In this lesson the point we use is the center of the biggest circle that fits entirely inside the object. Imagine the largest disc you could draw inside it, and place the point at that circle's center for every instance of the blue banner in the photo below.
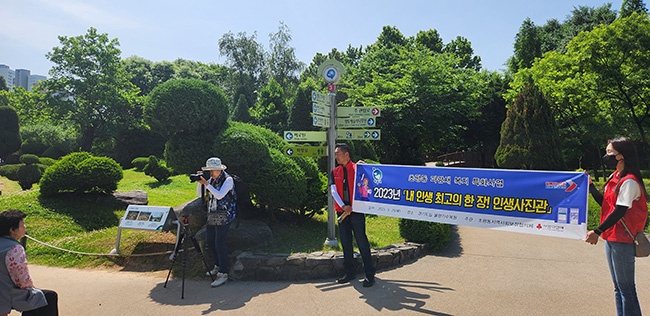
(550, 203)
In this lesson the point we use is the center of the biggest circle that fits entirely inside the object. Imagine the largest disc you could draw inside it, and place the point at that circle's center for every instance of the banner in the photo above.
(549, 203)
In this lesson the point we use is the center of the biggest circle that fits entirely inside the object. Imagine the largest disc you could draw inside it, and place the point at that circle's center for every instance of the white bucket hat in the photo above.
(214, 163)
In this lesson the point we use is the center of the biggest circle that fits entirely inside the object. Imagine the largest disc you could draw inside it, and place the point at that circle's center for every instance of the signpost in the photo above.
(321, 109)
(305, 136)
(358, 134)
(344, 111)
(321, 121)
(360, 122)
(305, 151)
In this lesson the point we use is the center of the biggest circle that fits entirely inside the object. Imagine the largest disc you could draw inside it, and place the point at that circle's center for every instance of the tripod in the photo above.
(186, 235)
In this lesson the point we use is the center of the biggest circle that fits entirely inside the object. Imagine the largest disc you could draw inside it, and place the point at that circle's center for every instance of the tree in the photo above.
(462, 49)
(242, 114)
(300, 118)
(630, 6)
(283, 64)
(3, 84)
(245, 56)
(9, 135)
(90, 86)
(270, 110)
(527, 46)
(140, 70)
(430, 39)
(529, 138)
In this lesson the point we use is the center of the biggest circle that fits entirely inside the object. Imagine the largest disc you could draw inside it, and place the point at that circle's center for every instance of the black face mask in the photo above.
(610, 161)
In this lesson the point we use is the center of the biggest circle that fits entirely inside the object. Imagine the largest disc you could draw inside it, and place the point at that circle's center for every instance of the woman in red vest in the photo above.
(622, 203)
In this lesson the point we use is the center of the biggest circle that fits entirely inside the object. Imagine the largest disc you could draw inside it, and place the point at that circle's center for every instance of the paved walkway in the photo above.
(483, 272)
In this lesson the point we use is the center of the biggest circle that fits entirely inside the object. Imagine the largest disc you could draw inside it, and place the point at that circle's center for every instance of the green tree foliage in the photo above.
(246, 58)
(630, 6)
(140, 70)
(242, 114)
(527, 46)
(31, 107)
(139, 163)
(186, 152)
(270, 109)
(90, 86)
(300, 110)
(136, 141)
(9, 132)
(430, 39)
(3, 84)
(81, 172)
(157, 170)
(48, 140)
(185, 105)
(462, 49)
(282, 62)
(427, 99)
(529, 138)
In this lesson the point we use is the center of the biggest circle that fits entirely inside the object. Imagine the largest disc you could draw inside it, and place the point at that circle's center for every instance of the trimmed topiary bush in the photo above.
(29, 159)
(83, 173)
(244, 150)
(139, 163)
(30, 172)
(281, 184)
(156, 170)
(46, 161)
(185, 153)
(10, 171)
(434, 235)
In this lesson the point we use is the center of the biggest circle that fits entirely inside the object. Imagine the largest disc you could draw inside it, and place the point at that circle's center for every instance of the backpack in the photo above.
(244, 205)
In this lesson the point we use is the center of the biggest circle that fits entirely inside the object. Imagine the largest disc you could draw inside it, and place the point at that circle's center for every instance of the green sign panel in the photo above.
(321, 110)
(369, 111)
(305, 151)
(358, 134)
(320, 98)
(355, 122)
(305, 136)
(321, 121)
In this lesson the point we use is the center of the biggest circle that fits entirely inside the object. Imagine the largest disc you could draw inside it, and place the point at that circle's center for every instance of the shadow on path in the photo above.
(394, 295)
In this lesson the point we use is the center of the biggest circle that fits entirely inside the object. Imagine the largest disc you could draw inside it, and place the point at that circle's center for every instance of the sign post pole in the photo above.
(331, 70)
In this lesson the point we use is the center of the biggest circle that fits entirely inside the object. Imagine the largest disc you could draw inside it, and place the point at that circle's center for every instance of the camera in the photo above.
(196, 176)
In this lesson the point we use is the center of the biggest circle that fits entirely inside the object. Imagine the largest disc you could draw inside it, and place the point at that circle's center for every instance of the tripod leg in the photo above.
(173, 259)
(200, 252)
(184, 261)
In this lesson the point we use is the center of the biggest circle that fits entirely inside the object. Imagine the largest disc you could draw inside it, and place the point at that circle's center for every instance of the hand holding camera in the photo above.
(200, 177)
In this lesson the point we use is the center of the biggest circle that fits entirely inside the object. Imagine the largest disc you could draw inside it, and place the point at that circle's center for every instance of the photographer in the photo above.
(221, 208)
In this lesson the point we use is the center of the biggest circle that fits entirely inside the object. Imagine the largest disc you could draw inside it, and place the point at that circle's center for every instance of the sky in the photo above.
(166, 30)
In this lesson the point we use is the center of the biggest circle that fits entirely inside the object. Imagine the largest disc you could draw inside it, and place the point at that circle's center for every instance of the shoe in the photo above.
(221, 279)
(369, 281)
(345, 279)
(212, 272)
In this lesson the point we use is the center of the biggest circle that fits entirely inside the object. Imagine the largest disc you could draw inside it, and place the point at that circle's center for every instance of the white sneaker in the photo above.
(221, 279)
(213, 272)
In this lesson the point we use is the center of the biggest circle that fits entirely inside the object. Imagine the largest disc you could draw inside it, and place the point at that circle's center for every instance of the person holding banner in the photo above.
(350, 223)
(623, 200)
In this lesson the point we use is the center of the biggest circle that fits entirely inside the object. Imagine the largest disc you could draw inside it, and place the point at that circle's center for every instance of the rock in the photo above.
(125, 199)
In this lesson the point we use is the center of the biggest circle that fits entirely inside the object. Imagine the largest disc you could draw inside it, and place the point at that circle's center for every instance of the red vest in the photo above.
(337, 173)
(634, 217)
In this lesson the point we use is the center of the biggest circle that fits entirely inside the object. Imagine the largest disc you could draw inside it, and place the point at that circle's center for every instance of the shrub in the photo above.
(9, 135)
(10, 171)
(281, 183)
(186, 152)
(156, 170)
(29, 159)
(186, 105)
(316, 187)
(48, 140)
(28, 175)
(243, 149)
(81, 172)
(139, 163)
(434, 235)
(47, 161)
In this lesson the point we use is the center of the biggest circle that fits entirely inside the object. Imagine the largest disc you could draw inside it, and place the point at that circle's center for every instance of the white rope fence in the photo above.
(101, 254)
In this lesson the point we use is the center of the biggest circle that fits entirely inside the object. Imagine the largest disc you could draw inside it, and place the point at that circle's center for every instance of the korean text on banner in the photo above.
(550, 203)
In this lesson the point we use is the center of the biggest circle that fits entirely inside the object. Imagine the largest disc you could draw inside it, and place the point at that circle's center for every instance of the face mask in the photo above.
(610, 161)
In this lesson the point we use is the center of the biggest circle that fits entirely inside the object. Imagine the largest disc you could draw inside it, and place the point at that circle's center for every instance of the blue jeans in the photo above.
(217, 239)
(620, 258)
(355, 223)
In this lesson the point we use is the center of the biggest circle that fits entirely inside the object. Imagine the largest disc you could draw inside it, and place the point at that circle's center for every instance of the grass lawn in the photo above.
(80, 223)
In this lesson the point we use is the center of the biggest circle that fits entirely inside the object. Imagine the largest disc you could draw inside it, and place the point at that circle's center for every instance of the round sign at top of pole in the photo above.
(331, 70)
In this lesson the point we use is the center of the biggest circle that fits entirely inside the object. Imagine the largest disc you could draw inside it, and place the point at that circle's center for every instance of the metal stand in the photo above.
(186, 235)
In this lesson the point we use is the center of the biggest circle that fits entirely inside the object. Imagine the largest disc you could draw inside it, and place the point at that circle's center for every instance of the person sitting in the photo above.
(16, 288)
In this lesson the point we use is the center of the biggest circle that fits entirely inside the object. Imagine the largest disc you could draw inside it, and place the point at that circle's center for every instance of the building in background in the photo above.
(19, 77)
(8, 74)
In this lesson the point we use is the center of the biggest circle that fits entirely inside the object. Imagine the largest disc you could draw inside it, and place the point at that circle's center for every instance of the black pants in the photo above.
(51, 309)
